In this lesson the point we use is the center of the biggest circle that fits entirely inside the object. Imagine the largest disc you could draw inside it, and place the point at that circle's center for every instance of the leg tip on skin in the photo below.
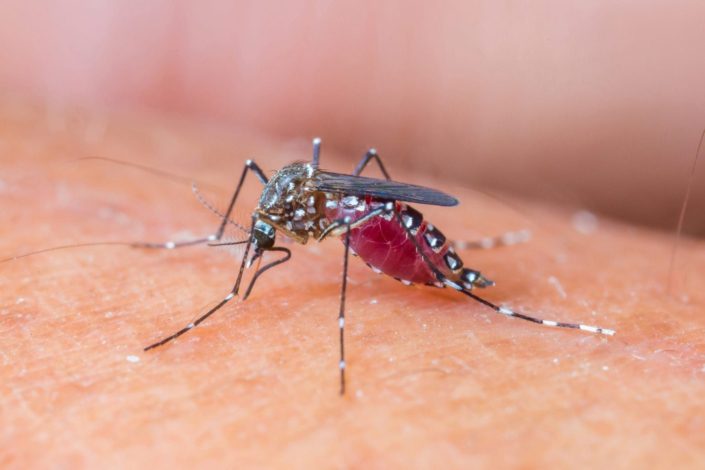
(484, 282)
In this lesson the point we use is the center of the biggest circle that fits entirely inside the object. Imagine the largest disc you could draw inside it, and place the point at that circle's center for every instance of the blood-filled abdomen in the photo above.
(386, 246)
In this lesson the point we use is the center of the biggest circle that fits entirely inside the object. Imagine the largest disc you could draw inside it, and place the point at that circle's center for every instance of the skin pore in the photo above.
(430, 373)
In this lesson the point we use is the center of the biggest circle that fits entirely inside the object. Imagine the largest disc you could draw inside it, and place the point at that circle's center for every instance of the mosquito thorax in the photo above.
(291, 203)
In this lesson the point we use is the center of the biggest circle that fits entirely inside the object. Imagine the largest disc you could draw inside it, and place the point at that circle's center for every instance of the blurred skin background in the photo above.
(594, 104)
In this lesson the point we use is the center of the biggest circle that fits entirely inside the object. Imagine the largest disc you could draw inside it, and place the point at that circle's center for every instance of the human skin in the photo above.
(434, 379)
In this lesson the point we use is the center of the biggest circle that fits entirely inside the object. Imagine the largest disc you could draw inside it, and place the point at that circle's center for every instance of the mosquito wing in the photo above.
(383, 189)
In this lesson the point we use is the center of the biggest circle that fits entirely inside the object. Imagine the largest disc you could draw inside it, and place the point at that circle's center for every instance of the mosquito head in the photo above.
(263, 236)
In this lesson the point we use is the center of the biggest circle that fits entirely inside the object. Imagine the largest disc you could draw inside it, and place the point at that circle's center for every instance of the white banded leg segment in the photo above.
(341, 311)
(170, 245)
(597, 329)
(193, 324)
(451, 284)
(370, 155)
(505, 311)
(502, 310)
(511, 313)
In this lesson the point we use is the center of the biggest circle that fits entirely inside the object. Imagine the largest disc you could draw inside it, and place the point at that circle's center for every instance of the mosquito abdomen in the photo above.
(385, 246)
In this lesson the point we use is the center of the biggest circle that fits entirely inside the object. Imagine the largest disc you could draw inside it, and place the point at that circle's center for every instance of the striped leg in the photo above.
(341, 312)
(506, 239)
(233, 292)
(370, 155)
(260, 271)
(170, 245)
(315, 160)
(499, 309)
(560, 324)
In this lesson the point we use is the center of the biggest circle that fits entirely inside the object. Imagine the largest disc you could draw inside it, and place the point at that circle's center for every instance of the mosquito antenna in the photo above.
(316, 152)
(205, 203)
(681, 216)
(66, 247)
(155, 171)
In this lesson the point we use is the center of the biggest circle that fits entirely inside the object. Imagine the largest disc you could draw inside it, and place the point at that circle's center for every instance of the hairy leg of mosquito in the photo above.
(249, 166)
(370, 155)
(260, 271)
(341, 312)
(335, 228)
(315, 160)
(233, 292)
(343, 288)
(506, 239)
(252, 166)
(499, 309)
(170, 245)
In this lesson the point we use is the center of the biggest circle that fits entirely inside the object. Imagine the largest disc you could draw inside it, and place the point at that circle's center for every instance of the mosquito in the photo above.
(375, 222)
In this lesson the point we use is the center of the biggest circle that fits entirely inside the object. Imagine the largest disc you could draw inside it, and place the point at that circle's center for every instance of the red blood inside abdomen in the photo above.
(384, 245)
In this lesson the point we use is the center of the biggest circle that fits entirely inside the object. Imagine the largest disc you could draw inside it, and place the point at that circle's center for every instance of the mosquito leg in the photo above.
(233, 292)
(260, 271)
(371, 155)
(338, 226)
(170, 245)
(508, 312)
(316, 152)
(341, 312)
(506, 239)
(499, 309)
